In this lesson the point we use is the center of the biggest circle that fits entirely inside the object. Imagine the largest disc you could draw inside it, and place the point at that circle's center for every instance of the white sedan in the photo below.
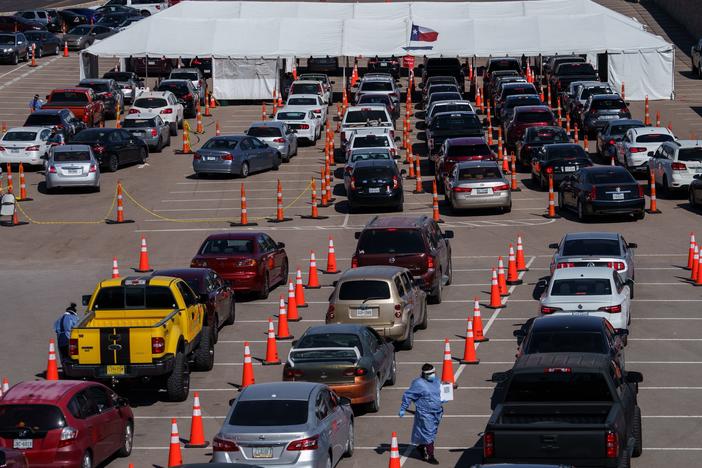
(639, 144)
(304, 123)
(676, 163)
(308, 102)
(163, 103)
(595, 291)
(25, 145)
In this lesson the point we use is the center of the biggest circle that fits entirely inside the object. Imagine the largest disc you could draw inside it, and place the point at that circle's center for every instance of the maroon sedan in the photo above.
(65, 423)
(455, 150)
(214, 292)
(525, 117)
(252, 262)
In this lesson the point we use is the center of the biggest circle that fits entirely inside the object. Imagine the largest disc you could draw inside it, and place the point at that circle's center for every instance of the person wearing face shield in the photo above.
(425, 393)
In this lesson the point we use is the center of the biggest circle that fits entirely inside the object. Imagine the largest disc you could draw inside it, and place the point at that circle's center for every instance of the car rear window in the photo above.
(269, 412)
(20, 136)
(479, 173)
(36, 418)
(481, 149)
(42, 119)
(548, 136)
(220, 144)
(582, 287)
(68, 97)
(566, 341)
(459, 121)
(227, 246)
(587, 247)
(290, 116)
(505, 64)
(611, 177)
(363, 116)
(654, 138)
(150, 103)
(175, 88)
(690, 154)
(565, 152)
(118, 76)
(534, 117)
(622, 129)
(605, 104)
(520, 89)
(304, 88)
(80, 30)
(359, 290)
(371, 141)
(97, 87)
(558, 387)
(450, 108)
(71, 156)
(374, 99)
(442, 96)
(190, 76)
(134, 297)
(443, 88)
(264, 132)
(376, 86)
(391, 241)
(523, 100)
(361, 173)
(587, 92)
(329, 340)
(575, 69)
(355, 157)
(139, 123)
(90, 135)
(302, 101)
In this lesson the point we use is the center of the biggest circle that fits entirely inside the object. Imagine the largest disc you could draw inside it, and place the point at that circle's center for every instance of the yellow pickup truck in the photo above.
(146, 328)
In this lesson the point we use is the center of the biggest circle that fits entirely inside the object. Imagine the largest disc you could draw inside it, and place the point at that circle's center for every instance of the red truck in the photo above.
(81, 101)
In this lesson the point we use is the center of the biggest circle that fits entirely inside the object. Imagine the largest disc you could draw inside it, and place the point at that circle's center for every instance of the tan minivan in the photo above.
(382, 297)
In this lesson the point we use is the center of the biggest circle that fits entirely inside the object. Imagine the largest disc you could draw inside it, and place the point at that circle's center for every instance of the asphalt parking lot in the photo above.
(67, 248)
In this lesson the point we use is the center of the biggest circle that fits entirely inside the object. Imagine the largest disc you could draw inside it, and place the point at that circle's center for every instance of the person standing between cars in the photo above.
(63, 327)
(35, 104)
(425, 392)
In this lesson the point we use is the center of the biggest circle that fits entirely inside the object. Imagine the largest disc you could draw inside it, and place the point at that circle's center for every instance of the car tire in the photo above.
(232, 315)
(374, 406)
(637, 433)
(215, 328)
(265, 291)
(39, 53)
(639, 215)
(287, 157)
(348, 453)
(127, 441)
(631, 295)
(408, 343)
(96, 189)
(425, 320)
(582, 217)
(15, 59)
(507, 209)
(665, 188)
(168, 139)
(625, 461)
(449, 276)
(86, 461)
(113, 163)
(561, 204)
(159, 146)
(244, 172)
(142, 156)
(203, 357)
(400, 208)
(278, 161)
(178, 382)
(435, 297)
(284, 275)
(392, 378)
(179, 125)
(57, 50)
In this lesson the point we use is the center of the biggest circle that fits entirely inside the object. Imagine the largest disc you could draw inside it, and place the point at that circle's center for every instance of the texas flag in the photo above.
(422, 34)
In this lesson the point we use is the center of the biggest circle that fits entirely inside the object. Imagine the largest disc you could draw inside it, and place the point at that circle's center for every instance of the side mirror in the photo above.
(403, 172)
(421, 85)
(634, 377)
(448, 234)
(47, 96)
(499, 377)
(231, 402)
(121, 402)
(294, 343)
(553, 246)
(633, 245)
(86, 299)
(357, 235)
(397, 139)
(518, 333)
(246, 131)
(622, 332)
(334, 283)
(281, 245)
(344, 401)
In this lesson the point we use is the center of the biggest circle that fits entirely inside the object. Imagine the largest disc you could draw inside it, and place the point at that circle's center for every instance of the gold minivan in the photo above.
(382, 297)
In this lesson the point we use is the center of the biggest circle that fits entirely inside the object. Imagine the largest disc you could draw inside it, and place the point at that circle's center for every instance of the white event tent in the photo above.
(249, 40)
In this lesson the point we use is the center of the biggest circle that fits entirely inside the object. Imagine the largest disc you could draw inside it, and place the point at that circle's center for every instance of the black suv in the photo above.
(185, 92)
(14, 47)
(375, 183)
(108, 92)
(414, 243)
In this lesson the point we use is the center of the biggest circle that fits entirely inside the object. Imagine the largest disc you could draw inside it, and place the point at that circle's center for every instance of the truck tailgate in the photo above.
(116, 345)
(542, 443)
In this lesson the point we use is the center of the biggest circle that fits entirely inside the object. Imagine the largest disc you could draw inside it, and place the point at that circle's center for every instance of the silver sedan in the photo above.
(276, 134)
(149, 127)
(299, 424)
(477, 184)
(72, 166)
(236, 155)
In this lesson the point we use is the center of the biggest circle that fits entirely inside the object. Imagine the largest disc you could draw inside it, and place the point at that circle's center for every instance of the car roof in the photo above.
(518, 84)
(47, 112)
(555, 146)
(582, 272)
(184, 273)
(366, 107)
(592, 235)
(453, 102)
(375, 93)
(154, 94)
(548, 128)
(140, 115)
(573, 322)
(234, 235)
(603, 169)
(625, 122)
(376, 163)
(305, 82)
(284, 390)
(188, 70)
(606, 97)
(267, 123)
(27, 129)
(175, 80)
(379, 272)
(397, 222)
(304, 95)
(293, 109)
(70, 148)
(335, 328)
(466, 141)
(578, 360)
(370, 150)
(149, 280)
(42, 391)
(462, 112)
(517, 97)
(650, 130)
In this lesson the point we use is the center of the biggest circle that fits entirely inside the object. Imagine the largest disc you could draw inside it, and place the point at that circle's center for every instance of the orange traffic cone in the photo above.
(213, 103)
(658, 119)
(312, 277)
(331, 258)
(283, 331)
(469, 356)
(410, 158)
(314, 203)
(23, 185)
(5, 386)
(695, 270)
(10, 184)
(293, 315)
(207, 108)
(299, 290)
(175, 458)
(51, 367)
(435, 203)
(495, 299)
(271, 347)
(691, 252)
(698, 268)
(418, 188)
(115, 268)
(478, 323)
(65, 49)
(501, 280)
(247, 373)
(143, 258)
(244, 217)
(197, 432)
(218, 131)
(514, 184)
(653, 208)
(264, 113)
(551, 199)
(521, 263)
(447, 368)
(394, 453)
(279, 214)
(512, 275)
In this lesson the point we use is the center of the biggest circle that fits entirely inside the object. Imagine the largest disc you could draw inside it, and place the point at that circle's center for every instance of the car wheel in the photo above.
(87, 461)
(232, 314)
(173, 128)
(142, 156)
(127, 441)
(449, 275)
(507, 209)
(278, 161)
(168, 140)
(56, 51)
(691, 198)
(348, 453)
(244, 170)
(392, 378)
(159, 146)
(400, 208)
(288, 156)
(425, 319)
(639, 215)
(113, 163)
(581, 211)
(180, 124)
(215, 328)
(435, 297)
(561, 204)
(38, 52)
(637, 433)
(15, 59)
(408, 343)
(625, 461)
(263, 294)
(203, 357)
(285, 273)
(178, 382)
(666, 187)
(374, 406)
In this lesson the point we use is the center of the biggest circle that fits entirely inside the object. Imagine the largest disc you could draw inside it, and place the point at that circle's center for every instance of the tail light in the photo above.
(619, 266)
(354, 262)
(52, 169)
(549, 310)
(560, 265)
(355, 371)
(612, 444)
(330, 312)
(134, 111)
(167, 111)
(676, 166)
(198, 263)
(227, 157)
(348, 169)
(549, 170)
(293, 373)
(99, 149)
(499, 188)
(224, 445)
(107, 95)
(488, 444)
(154, 132)
(641, 191)
(353, 183)
(158, 345)
(36, 148)
(612, 142)
(188, 97)
(2, 148)
(197, 157)
(430, 262)
(304, 126)
(246, 262)
(310, 443)
(398, 310)
(93, 168)
(462, 189)
(73, 347)
(395, 182)
(317, 111)
(611, 309)
(636, 149)
(592, 195)
(393, 152)
(279, 140)
(68, 436)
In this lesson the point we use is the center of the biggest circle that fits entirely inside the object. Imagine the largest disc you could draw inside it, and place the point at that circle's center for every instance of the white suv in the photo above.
(145, 7)
(676, 163)
(639, 144)
(163, 103)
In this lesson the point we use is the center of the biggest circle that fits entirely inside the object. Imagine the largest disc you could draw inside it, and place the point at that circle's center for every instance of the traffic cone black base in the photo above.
(488, 306)
(284, 338)
(472, 363)
(514, 283)
(271, 363)
(277, 221)
(649, 211)
(114, 221)
(232, 224)
(313, 217)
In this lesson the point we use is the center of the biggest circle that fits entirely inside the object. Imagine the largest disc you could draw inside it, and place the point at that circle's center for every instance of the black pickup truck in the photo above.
(570, 408)
(565, 73)
(443, 67)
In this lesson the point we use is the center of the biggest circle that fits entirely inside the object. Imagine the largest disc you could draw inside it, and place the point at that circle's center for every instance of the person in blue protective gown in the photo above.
(425, 392)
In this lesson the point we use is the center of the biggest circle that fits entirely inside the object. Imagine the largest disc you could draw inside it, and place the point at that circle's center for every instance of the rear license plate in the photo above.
(364, 313)
(151, 62)
(115, 370)
(72, 171)
(617, 196)
(482, 191)
(569, 168)
(14, 150)
(607, 117)
(698, 170)
(22, 443)
(210, 158)
(373, 190)
(263, 452)
(139, 134)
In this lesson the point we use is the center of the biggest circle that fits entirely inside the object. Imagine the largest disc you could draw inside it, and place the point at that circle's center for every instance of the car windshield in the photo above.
(608, 104)
(6, 39)
(376, 86)
(264, 132)
(68, 97)
(690, 154)
(329, 340)
(547, 136)
(132, 123)
(370, 141)
(355, 157)
(582, 287)
(72, 156)
(611, 177)
(456, 122)
(520, 89)
(269, 412)
(654, 138)
(534, 117)
(290, 116)
(575, 69)
(391, 241)
(302, 101)
(360, 290)
(89, 136)
(561, 386)
(42, 119)
(178, 89)
(481, 149)
(191, 76)
(304, 88)
(443, 88)
(566, 341)
(363, 116)
(227, 246)
(20, 136)
(36, 418)
(479, 173)
(80, 30)
(220, 144)
(564, 152)
(587, 92)
(374, 99)
(150, 103)
(134, 297)
(588, 247)
(97, 87)
(615, 130)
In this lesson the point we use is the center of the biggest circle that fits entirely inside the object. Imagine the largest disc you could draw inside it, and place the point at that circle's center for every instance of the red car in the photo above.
(65, 423)
(252, 262)
(525, 117)
(455, 150)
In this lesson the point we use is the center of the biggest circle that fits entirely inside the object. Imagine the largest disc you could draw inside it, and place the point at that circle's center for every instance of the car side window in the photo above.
(617, 281)
(258, 143)
(333, 401)
(114, 137)
(398, 285)
(406, 282)
(188, 295)
(74, 407)
(45, 134)
(270, 243)
(88, 406)
(101, 397)
(321, 408)
(372, 342)
(245, 144)
(126, 136)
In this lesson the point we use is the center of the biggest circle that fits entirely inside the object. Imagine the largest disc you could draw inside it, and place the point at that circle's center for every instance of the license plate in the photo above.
(617, 196)
(72, 171)
(365, 313)
(263, 452)
(482, 191)
(210, 158)
(115, 370)
(607, 117)
(373, 190)
(152, 62)
(138, 134)
(14, 150)
(23, 443)
(698, 170)
(569, 168)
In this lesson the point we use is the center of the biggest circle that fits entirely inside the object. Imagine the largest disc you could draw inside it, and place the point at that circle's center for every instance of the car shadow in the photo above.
(539, 287)
(41, 188)
(688, 207)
